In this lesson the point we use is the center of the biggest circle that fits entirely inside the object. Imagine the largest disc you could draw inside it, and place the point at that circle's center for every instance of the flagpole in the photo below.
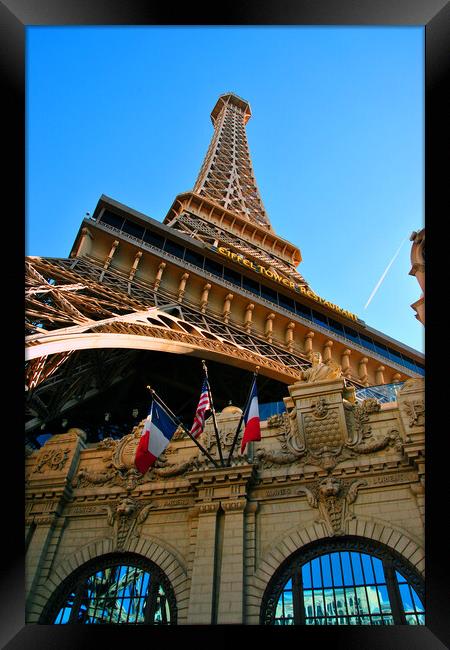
(179, 422)
(219, 446)
(236, 435)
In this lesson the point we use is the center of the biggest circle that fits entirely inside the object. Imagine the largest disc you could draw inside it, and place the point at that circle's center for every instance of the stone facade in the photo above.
(418, 270)
(328, 467)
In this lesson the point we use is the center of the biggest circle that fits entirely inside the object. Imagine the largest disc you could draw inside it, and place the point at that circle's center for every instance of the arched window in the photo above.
(114, 589)
(349, 581)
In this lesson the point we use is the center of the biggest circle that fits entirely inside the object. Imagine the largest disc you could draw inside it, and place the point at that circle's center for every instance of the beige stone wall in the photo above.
(220, 534)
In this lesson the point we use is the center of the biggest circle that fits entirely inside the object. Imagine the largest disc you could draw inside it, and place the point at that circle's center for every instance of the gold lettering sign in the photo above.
(273, 275)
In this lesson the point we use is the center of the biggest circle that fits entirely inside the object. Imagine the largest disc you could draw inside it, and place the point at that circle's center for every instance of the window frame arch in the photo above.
(291, 568)
(76, 580)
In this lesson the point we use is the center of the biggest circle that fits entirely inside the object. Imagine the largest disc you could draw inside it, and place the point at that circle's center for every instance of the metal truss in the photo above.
(226, 176)
(198, 229)
(65, 299)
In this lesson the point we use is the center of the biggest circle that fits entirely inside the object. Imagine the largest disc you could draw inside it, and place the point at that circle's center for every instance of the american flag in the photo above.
(203, 406)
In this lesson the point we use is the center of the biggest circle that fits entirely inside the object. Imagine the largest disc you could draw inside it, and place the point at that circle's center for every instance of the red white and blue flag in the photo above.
(203, 405)
(156, 435)
(252, 429)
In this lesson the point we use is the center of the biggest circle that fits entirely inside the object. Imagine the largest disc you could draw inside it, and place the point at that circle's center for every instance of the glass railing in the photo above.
(384, 393)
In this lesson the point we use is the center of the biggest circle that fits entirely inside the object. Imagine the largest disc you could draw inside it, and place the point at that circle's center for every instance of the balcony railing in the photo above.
(384, 393)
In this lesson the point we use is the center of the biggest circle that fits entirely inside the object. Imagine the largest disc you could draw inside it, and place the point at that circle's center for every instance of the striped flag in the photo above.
(252, 429)
(156, 435)
(203, 406)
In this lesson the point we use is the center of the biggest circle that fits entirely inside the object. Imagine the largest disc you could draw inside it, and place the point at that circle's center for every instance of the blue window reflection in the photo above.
(346, 588)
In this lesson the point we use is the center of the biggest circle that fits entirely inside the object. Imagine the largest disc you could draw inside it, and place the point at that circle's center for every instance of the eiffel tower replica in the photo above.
(139, 301)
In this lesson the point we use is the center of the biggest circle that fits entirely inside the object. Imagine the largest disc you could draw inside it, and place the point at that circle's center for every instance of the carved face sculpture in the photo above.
(316, 358)
(329, 487)
(126, 507)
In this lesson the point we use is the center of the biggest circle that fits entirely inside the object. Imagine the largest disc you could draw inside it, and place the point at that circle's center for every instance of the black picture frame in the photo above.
(15, 16)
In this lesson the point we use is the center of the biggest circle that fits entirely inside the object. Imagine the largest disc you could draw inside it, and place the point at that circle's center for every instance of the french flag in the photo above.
(252, 429)
(156, 435)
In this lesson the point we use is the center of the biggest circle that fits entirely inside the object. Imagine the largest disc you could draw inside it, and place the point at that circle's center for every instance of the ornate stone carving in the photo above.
(44, 520)
(275, 421)
(127, 519)
(86, 477)
(234, 505)
(324, 432)
(119, 466)
(209, 508)
(107, 443)
(176, 468)
(358, 419)
(269, 458)
(377, 442)
(322, 441)
(415, 410)
(319, 370)
(54, 459)
(332, 497)
(416, 383)
(320, 408)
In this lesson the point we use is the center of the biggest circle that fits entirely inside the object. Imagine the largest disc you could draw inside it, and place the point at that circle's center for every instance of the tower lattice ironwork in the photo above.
(226, 179)
(226, 176)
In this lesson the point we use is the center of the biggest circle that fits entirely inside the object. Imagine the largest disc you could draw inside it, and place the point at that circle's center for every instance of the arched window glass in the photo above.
(124, 589)
(411, 603)
(345, 586)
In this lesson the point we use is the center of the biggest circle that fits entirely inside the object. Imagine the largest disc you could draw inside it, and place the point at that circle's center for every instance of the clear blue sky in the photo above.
(336, 138)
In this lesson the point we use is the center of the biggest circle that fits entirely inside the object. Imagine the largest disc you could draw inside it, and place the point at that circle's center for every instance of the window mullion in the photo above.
(344, 587)
(394, 593)
(333, 587)
(357, 611)
(152, 599)
(77, 601)
(298, 598)
(323, 591)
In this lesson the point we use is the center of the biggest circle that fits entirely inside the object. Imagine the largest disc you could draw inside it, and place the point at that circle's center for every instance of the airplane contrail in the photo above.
(377, 286)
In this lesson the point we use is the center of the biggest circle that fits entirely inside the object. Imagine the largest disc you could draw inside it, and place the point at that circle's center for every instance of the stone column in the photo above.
(231, 594)
(182, 286)
(37, 559)
(250, 559)
(248, 317)
(204, 298)
(379, 375)
(133, 269)
(326, 356)
(217, 583)
(418, 490)
(159, 274)
(289, 336)
(83, 244)
(269, 327)
(363, 375)
(54, 465)
(411, 406)
(308, 346)
(227, 307)
(109, 258)
(201, 600)
(345, 362)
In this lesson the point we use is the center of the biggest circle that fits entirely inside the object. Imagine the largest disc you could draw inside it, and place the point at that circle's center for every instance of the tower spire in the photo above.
(226, 176)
